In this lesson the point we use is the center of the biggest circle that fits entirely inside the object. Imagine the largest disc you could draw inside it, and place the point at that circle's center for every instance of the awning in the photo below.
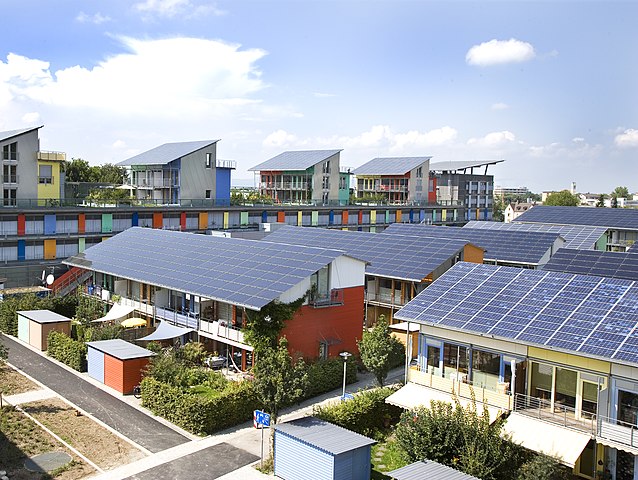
(117, 312)
(414, 395)
(617, 436)
(562, 443)
(414, 327)
(165, 331)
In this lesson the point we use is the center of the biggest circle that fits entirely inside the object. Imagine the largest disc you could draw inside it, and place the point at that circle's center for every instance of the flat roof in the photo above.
(390, 165)
(323, 435)
(120, 349)
(295, 160)
(43, 316)
(620, 218)
(166, 153)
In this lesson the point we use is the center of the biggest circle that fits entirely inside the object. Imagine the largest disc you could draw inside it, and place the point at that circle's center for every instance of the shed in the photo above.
(117, 364)
(34, 326)
(309, 448)
(430, 470)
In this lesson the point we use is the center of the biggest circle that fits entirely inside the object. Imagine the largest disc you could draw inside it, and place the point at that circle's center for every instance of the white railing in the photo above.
(223, 330)
(140, 306)
(226, 164)
(182, 319)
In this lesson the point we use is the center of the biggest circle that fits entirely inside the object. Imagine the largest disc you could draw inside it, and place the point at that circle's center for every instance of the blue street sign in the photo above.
(262, 418)
(347, 396)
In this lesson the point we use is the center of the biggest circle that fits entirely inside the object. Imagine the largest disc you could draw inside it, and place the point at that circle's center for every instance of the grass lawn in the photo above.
(386, 456)
(12, 382)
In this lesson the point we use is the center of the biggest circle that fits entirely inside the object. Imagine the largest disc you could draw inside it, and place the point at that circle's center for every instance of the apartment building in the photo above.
(394, 179)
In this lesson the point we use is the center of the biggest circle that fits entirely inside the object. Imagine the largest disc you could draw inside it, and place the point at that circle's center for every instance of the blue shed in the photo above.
(309, 448)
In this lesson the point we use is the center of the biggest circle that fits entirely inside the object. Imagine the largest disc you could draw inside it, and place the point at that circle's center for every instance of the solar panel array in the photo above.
(392, 256)
(295, 160)
(582, 237)
(390, 165)
(594, 262)
(242, 272)
(501, 246)
(581, 314)
(633, 248)
(622, 218)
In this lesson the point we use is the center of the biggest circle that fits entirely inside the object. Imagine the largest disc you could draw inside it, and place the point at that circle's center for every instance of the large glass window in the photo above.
(590, 399)
(319, 284)
(434, 360)
(486, 368)
(628, 407)
(566, 384)
(455, 361)
(541, 384)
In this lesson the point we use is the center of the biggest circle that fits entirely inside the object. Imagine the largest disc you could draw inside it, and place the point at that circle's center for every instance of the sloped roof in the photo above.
(166, 153)
(295, 160)
(430, 470)
(453, 166)
(14, 133)
(390, 165)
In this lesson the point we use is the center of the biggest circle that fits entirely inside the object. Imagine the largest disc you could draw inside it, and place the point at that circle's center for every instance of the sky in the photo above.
(550, 87)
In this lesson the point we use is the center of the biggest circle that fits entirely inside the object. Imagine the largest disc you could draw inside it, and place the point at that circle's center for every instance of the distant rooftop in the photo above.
(623, 218)
(14, 133)
(456, 166)
(166, 153)
(295, 160)
(390, 165)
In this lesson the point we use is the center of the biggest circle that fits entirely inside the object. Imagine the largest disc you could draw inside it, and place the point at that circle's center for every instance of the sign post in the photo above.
(261, 420)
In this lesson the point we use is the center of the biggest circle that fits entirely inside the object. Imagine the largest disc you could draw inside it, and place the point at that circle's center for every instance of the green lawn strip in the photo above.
(386, 456)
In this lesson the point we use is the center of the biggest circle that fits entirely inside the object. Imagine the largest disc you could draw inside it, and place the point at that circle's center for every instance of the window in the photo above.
(9, 197)
(419, 172)
(9, 174)
(46, 174)
(10, 152)
(209, 160)
(326, 167)
(486, 369)
(208, 193)
(455, 361)
(319, 284)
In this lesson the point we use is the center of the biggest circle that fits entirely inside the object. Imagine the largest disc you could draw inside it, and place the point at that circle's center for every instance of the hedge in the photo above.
(327, 375)
(200, 414)
(367, 413)
(66, 350)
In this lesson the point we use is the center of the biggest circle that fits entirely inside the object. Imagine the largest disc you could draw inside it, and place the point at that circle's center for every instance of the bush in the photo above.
(542, 467)
(8, 308)
(367, 413)
(66, 350)
(327, 375)
(200, 414)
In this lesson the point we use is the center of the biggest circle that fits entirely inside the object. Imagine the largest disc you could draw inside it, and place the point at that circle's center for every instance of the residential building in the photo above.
(621, 223)
(457, 183)
(208, 286)
(182, 172)
(517, 249)
(305, 177)
(514, 210)
(510, 191)
(395, 179)
(555, 353)
(399, 266)
(30, 176)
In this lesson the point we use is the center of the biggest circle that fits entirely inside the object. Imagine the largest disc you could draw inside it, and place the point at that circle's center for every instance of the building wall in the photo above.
(27, 171)
(222, 186)
(311, 325)
(195, 178)
(418, 186)
(317, 180)
(46, 328)
(49, 191)
(123, 375)
(295, 460)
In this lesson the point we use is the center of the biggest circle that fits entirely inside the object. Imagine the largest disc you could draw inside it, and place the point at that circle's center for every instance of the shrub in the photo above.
(367, 413)
(327, 375)
(8, 308)
(542, 467)
(66, 350)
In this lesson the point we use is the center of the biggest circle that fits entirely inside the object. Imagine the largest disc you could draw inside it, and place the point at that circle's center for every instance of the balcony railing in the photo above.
(385, 297)
(226, 164)
(617, 431)
(334, 298)
(51, 156)
(223, 330)
(46, 180)
(182, 319)
(284, 185)
(562, 415)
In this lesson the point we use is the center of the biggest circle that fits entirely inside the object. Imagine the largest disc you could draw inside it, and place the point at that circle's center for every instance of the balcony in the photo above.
(284, 186)
(223, 331)
(232, 164)
(181, 319)
(334, 298)
(562, 415)
(385, 297)
(47, 156)
(615, 433)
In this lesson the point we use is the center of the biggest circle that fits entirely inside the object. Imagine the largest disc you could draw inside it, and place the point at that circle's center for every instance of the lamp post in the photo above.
(345, 356)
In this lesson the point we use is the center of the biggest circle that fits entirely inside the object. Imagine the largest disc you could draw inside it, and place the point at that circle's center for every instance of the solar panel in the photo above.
(594, 262)
(633, 248)
(622, 218)
(242, 272)
(405, 257)
(582, 237)
(531, 248)
(580, 314)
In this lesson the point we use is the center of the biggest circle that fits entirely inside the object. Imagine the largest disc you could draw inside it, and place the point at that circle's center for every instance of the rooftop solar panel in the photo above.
(621, 218)
(390, 165)
(531, 248)
(633, 248)
(295, 160)
(405, 257)
(247, 273)
(593, 262)
(581, 237)
(591, 316)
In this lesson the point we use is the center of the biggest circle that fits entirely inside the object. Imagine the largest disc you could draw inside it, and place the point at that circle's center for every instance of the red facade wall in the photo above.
(22, 221)
(182, 221)
(312, 325)
(123, 375)
(81, 223)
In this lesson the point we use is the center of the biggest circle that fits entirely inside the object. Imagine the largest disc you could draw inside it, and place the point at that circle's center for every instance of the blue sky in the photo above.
(551, 87)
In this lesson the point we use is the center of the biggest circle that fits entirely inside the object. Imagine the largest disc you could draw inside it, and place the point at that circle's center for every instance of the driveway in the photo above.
(130, 422)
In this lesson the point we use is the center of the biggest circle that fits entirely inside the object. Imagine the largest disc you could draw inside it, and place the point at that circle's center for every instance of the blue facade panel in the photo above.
(22, 249)
(264, 217)
(49, 224)
(331, 217)
(296, 460)
(96, 364)
(222, 185)
(135, 219)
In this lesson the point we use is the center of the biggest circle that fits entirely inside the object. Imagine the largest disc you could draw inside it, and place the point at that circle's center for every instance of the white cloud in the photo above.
(119, 144)
(173, 8)
(497, 52)
(279, 138)
(31, 118)
(96, 18)
(629, 138)
(499, 106)
(493, 139)
(323, 95)
(578, 139)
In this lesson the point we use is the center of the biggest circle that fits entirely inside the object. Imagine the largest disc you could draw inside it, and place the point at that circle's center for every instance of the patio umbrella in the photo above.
(133, 322)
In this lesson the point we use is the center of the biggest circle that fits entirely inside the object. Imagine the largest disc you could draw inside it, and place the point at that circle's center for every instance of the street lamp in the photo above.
(345, 356)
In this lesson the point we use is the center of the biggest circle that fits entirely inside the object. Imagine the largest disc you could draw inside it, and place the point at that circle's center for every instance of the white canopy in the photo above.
(165, 331)
(116, 313)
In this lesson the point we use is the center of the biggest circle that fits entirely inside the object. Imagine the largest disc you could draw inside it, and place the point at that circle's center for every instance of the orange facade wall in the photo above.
(123, 375)
(344, 217)
(158, 220)
(310, 326)
(472, 253)
(182, 221)
(81, 223)
(281, 217)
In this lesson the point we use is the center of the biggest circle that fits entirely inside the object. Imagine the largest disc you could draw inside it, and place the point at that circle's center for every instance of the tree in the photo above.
(278, 379)
(263, 327)
(4, 353)
(614, 201)
(109, 195)
(542, 467)
(601, 200)
(379, 350)
(109, 173)
(89, 309)
(563, 198)
(77, 170)
(498, 214)
(621, 192)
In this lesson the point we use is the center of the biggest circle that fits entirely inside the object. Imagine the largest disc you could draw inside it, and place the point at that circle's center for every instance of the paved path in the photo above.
(130, 422)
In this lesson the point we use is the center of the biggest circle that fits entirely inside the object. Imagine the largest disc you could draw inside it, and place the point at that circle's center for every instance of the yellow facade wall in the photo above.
(570, 360)
(299, 218)
(49, 191)
(373, 216)
(226, 214)
(49, 249)
(203, 220)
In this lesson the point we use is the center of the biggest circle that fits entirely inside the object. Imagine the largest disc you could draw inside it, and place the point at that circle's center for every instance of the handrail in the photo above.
(70, 276)
(557, 414)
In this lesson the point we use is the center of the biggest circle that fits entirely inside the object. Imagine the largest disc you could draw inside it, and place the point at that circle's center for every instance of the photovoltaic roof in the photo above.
(594, 262)
(586, 315)
(460, 165)
(633, 248)
(294, 160)
(501, 246)
(247, 273)
(582, 237)
(166, 153)
(405, 257)
(623, 218)
(390, 165)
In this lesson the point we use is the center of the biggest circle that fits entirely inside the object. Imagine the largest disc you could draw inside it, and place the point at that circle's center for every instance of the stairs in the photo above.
(65, 284)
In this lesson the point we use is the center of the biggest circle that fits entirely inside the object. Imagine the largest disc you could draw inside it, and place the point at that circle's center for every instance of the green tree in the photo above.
(601, 200)
(4, 353)
(77, 170)
(614, 201)
(379, 350)
(263, 327)
(278, 379)
(621, 192)
(89, 309)
(109, 195)
(542, 467)
(563, 198)
(498, 214)
(109, 173)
